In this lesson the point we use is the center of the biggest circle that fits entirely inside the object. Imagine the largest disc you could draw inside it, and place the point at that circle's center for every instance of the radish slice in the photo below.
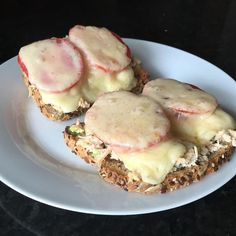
(180, 97)
(52, 65)
(129, 54)
(103, 49)
(22, 66)
(126, 121)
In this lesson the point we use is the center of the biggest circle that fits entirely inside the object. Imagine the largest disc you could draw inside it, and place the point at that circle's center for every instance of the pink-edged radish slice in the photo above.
(52, 65)
(126, 121)
(180, 97)
(103, 49)
(128, 53)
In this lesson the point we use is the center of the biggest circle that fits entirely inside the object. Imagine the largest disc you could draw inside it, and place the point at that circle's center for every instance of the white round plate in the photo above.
(35, 161)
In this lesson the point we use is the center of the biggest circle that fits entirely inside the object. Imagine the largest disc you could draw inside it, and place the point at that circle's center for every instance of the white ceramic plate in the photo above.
(35, 161)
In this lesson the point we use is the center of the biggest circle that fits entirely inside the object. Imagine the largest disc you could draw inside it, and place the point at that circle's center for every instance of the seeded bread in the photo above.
(78, 150)
(209, 159)
(52, 113)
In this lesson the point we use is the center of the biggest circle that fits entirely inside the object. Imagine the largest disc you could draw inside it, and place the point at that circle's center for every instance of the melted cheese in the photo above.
(201, 129)
(173, 94)
(154, 163)
(99, 82)
(96, 83)
(127, 121)
(52, 66)
(101, 47)
(66, 101)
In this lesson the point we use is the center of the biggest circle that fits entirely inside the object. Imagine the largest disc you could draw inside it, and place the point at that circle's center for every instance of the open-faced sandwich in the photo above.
(169, 137)
(64, 76)
(129, 138)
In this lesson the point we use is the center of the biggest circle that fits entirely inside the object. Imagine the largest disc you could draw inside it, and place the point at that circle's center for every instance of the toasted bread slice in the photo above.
(52, 113)
(196, 163)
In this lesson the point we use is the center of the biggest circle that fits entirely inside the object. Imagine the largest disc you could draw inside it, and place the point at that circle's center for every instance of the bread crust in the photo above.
(52, 113)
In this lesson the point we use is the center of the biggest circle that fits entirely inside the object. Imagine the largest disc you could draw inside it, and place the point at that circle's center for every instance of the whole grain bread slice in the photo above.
(53, 113)
(210, 158)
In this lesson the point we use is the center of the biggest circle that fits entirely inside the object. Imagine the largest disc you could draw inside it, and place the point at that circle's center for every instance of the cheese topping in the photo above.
(99, 82)
(182, 97)
(127, 121)
(96, 83)
(65, 101)
(154, 163)
(53, 65)
(202, 128)
(100, 47)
